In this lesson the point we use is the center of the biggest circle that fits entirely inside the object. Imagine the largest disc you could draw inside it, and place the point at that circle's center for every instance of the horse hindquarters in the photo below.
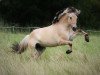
(36, 48)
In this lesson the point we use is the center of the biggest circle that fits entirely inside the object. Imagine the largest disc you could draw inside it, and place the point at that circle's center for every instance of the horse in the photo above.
(60, 32)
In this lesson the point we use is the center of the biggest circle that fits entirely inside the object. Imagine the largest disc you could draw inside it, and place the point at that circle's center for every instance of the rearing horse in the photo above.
(61, 32)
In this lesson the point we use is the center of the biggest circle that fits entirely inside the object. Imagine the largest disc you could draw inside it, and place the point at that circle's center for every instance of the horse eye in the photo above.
(70, 17)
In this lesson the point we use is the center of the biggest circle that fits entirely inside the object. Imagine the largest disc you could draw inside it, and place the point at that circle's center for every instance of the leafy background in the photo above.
(41, 12)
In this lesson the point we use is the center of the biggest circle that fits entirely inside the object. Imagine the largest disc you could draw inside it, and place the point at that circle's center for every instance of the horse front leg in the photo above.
(85, 34)
(69, 43)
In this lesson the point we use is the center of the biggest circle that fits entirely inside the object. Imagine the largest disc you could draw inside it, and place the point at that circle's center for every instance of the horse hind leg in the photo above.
(39, 50)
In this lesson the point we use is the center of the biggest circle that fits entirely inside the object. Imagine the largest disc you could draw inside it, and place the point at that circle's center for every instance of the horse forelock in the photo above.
(60, 13)
(73, 10)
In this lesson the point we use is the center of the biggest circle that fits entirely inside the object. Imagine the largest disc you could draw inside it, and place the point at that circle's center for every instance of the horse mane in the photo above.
(56, 16)
(61, 13)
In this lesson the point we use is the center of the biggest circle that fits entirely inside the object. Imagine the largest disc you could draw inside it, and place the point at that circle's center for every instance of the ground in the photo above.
(84, 60)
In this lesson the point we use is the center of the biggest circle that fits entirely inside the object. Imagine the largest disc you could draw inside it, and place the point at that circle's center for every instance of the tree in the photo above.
(41, 12)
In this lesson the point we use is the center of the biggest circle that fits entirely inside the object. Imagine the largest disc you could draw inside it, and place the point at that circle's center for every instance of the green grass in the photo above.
(84, 60)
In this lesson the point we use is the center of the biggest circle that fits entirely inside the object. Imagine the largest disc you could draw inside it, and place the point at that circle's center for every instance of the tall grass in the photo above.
(84, 60)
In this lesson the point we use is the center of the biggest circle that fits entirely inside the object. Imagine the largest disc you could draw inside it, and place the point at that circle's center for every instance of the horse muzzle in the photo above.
(74, 28)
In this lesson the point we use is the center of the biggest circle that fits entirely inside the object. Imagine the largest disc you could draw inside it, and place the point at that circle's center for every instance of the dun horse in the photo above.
(61, 32)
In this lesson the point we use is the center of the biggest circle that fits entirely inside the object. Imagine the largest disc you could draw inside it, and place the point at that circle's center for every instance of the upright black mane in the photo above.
(56, 16)
(69, 10)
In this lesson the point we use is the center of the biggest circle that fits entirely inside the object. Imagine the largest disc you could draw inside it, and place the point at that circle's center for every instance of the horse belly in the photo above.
(49, 39)
(49, 42)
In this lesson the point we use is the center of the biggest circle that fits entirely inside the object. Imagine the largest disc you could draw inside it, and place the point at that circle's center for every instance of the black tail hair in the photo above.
(15, 47)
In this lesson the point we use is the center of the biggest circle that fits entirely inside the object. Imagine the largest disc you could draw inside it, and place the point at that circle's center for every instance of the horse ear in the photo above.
(78, 12)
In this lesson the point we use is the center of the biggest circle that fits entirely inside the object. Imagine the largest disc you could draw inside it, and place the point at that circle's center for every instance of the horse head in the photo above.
(67, 17)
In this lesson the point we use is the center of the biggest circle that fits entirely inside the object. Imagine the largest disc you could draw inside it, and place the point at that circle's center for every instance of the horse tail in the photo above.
(20, 47)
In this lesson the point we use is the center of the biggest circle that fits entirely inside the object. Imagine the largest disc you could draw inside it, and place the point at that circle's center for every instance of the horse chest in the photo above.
(70, 36)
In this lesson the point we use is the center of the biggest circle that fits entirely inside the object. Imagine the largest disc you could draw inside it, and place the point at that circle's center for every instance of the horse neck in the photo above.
(63, 19)
(62, 27)
(63, 24)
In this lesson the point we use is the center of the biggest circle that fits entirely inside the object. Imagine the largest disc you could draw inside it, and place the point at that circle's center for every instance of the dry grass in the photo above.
(84, 60)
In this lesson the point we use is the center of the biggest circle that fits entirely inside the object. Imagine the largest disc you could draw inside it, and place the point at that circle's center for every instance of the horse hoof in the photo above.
(86, 38)
(68, 51)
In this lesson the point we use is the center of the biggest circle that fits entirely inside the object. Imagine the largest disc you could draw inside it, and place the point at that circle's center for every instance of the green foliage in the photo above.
(41, 12)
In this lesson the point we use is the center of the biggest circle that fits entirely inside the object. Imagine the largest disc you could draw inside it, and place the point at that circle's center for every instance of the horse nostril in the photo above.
(74, 28)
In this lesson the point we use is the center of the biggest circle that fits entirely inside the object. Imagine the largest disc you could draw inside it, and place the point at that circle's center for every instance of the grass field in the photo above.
(84, 60)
